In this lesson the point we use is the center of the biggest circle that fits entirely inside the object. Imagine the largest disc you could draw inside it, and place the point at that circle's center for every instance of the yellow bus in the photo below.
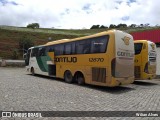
(145, 59)
(104, 59)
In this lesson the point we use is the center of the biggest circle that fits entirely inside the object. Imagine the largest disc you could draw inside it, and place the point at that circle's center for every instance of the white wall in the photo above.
(158, 60)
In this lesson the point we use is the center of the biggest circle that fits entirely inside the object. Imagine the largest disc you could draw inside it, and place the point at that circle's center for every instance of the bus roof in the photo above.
(85, 37)
(142, 41)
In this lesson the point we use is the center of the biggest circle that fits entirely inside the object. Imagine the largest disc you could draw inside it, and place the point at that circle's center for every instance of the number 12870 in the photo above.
(96, 59)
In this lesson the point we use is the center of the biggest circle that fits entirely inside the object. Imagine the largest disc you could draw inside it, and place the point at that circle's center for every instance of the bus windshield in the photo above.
(27, 57)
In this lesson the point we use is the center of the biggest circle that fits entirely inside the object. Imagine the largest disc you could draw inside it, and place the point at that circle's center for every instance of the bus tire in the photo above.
(80, 78)
(32, 71)
(68, 76)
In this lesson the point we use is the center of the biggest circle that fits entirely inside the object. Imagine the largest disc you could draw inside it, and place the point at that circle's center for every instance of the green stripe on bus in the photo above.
(42, 63)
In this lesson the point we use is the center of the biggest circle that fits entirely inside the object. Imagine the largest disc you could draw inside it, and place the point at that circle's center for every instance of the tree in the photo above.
(133, 25)
(146, 25)
(112, 26)
(36, 25)
(25, 43)
(15, 54)
(30, 26)
(95, 27)
(124, 25)
(33, 25)
(102, 26)
(141, 25)
(121, 25)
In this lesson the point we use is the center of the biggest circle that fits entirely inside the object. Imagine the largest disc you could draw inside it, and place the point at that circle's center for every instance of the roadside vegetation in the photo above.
(15, 40)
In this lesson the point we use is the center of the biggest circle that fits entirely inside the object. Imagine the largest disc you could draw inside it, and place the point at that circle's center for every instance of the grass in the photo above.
(10, 36)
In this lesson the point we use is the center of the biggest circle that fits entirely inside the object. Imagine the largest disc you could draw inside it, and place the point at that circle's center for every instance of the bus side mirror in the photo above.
(24, 56)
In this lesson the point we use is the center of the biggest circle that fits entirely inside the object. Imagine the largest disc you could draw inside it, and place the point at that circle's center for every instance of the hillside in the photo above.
(10, 36)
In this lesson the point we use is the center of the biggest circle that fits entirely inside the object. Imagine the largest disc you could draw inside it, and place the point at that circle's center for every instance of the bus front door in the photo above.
(51, 64)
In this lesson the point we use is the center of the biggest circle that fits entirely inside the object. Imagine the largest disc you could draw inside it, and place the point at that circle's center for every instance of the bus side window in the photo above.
(50, 49)
(99, 44)
(39, 52)
(43, 52)
(59, 49)
(73, 48)
(95, 47)
(79, 47)
(87, 47)
(83, 47)
(68, 49)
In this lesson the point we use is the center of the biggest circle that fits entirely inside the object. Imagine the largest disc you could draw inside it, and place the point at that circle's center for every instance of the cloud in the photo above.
(78, 14)
(86, 7)
(5, 2)
(125, 18)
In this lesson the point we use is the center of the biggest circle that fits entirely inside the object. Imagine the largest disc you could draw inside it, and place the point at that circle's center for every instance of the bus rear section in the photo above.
(145, 59)
(122, 66)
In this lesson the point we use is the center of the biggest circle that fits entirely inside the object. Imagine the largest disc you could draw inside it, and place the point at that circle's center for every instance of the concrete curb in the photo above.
(157, 77)
(14, 63)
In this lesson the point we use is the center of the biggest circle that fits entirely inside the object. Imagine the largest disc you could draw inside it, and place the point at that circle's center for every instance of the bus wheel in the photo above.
(80, 79)
(68, 77)
(32, 71)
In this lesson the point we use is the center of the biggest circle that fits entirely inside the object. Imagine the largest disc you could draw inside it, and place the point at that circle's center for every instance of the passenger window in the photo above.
(73, 47)
(68, 49)
(87, 47)
(83, 46)
(80, 46)
(98, 45)
(51, 48)
(59, 49)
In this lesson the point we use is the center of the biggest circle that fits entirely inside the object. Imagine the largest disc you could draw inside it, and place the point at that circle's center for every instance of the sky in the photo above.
(78, 14)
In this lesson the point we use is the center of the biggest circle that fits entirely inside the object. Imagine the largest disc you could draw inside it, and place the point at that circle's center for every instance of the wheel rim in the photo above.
(80, 80)
(68, 76)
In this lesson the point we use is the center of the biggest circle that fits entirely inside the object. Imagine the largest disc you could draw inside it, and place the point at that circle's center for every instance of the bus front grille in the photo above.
(137, 72)
(99, 74)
